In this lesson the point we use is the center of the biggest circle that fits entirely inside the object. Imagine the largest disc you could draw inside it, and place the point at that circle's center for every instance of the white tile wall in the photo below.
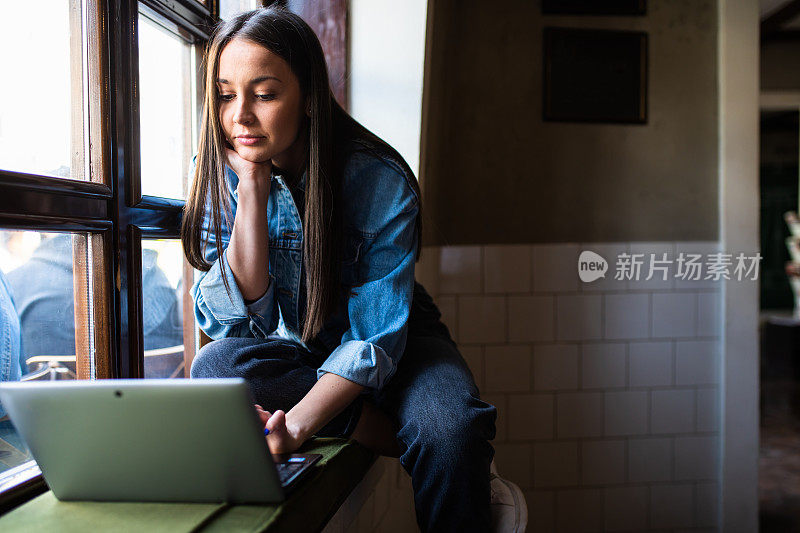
(708, 314)
(555, 367)
(607, 392)
(481, 319)
(508, 368)
(473, 355)
(649, 460)
(706, 509)
(460, 269)
(541, 510)
(707, 410)
(625, 413)
(602, 462)
(554, 267)
(375, 503)
(578, 317)
(531, 318)
(672, 411)
(579, 414)
(579, 510)
(530, 417)
(627, 316)
(696, 362)
(507, 269)
(625, 508)
(671, 506)
(555, 464)
(650, 364)
(674, 314)
(695, 457)
(603, 366)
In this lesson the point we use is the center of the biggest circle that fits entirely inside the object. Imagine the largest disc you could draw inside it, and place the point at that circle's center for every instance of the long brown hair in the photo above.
(329, 129)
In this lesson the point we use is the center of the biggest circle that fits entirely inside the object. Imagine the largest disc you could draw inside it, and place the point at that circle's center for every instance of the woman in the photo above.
(307, 243)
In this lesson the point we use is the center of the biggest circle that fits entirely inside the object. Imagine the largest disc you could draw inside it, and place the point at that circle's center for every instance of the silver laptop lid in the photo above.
(196, 440)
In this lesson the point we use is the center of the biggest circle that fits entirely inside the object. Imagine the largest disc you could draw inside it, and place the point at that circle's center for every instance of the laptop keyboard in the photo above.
(287, 470)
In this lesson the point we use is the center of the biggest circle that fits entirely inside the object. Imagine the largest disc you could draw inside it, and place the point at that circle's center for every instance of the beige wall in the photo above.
(493, 172)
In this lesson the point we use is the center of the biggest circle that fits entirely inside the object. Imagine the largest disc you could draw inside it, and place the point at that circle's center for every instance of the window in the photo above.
(167, 83)
(48, 103)
(165, 285)
(93, 165)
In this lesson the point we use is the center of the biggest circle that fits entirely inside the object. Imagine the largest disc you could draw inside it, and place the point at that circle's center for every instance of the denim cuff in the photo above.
(361, 362)
(230, 308)
(263, 319)
(226, 307)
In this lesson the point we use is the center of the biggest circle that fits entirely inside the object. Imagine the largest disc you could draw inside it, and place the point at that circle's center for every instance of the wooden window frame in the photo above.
(108, 204)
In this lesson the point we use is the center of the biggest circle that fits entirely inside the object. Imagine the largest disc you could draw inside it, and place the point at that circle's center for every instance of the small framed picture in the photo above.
(595, 76)
(594, 7)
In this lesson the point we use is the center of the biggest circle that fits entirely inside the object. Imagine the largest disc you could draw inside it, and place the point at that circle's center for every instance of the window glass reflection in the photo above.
(38, 273)
(162, 275)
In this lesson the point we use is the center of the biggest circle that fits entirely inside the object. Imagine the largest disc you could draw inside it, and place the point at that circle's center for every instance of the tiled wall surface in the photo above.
(381, 502)
(607, 391)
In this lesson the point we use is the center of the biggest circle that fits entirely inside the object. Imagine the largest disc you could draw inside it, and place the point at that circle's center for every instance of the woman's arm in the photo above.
(248, 250)
(329, 396)
(325, 400)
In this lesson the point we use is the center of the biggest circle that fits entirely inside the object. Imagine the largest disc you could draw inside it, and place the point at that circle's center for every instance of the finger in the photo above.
(262, 414)
(232, 156)
(277, 421)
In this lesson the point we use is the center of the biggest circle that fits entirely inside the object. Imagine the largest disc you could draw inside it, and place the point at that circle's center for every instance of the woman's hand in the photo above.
(280, 439)
(249, 170)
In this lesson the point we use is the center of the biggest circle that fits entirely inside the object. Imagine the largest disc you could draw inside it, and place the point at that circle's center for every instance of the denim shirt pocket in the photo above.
(284, 258)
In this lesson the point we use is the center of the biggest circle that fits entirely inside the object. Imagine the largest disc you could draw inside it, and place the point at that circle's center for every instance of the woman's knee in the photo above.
(460, 432)
(215, 359)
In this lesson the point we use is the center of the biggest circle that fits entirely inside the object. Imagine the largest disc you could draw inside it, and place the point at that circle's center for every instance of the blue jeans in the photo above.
(443, 426)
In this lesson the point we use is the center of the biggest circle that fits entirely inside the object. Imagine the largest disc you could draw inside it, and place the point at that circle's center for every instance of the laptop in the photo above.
(197, 440)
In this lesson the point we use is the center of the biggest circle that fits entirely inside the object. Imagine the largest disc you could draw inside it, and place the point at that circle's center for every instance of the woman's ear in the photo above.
(308, 106)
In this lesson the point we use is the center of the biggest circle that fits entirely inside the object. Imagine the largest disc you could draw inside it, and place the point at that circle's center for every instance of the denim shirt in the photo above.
(366, 336)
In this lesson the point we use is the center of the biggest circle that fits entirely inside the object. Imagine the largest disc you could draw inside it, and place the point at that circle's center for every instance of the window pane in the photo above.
(162, 310)
(165, 104)
(231, 8)
(42, 108)
(44, 293)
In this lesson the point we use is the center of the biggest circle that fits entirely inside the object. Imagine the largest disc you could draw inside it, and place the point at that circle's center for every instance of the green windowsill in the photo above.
(308, 507)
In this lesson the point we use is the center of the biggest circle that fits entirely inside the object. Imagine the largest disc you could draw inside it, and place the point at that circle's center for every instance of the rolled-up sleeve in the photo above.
(378, 310)
(223, 312)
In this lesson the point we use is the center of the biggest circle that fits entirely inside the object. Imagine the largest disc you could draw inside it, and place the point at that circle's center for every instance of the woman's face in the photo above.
(261, 108)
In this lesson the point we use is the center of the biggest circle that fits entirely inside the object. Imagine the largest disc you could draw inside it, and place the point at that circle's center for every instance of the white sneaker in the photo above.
(509, 510)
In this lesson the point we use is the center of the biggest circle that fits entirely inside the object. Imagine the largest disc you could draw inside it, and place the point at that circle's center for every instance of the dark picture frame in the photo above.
(594, 76)
(594, 7)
